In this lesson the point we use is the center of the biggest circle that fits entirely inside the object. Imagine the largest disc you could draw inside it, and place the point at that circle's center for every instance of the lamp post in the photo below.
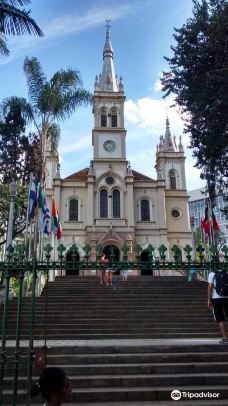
(12, 192)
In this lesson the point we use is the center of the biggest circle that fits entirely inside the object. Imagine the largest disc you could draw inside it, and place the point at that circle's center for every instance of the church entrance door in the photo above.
(146, 267)
(72, 268)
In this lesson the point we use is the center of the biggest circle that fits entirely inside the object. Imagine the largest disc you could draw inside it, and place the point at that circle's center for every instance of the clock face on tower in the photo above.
(109, 146)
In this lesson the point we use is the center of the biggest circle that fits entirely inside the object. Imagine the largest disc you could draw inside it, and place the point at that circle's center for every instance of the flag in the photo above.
(59, 231)
(32, 200)
(56, 225)
(214, 222)
(41, 209)
(47, 217)
(205, 224)
(55, 217)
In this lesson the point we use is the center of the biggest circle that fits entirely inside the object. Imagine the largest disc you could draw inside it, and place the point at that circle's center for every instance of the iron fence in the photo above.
(23, 274)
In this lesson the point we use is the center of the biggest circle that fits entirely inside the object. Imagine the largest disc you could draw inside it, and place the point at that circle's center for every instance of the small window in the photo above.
(176, 214)
(116, 203)
(103, 118)
(73, 210)
(103, 203)
(145, 210)
(114, 118)
(110, 180)
(172, 177)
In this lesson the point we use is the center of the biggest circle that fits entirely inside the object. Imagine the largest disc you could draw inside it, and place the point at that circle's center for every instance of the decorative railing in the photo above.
(22, 274)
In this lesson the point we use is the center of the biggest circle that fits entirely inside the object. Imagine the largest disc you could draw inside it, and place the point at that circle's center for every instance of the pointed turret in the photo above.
(108, 77)
(168, 142)
(180, 146)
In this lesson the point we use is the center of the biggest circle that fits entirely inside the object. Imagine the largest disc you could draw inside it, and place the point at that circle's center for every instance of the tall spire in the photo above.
(108, 77)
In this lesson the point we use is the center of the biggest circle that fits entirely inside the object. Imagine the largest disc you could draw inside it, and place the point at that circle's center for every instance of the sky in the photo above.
(141, 35)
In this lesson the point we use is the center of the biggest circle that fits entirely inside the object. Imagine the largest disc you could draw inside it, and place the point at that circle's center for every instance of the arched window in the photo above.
(172, 179)
(103, 117)
(114, 117)
(116, 203)
(73, 210)
(145, 210)
(103, 203)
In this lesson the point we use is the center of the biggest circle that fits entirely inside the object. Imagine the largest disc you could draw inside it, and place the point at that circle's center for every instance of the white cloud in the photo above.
(146, 118)
(158, 85)
(69, 24)
(150, 113)
(65, 25)
(83, 142)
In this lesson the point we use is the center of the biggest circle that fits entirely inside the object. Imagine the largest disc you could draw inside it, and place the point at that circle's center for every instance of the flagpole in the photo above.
(35, 240)
(27, 214)
(30, 241)
(211, 226)
(39, 255)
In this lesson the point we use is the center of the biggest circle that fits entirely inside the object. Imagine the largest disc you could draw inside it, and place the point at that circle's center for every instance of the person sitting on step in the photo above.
(53, 385)
(124, 275)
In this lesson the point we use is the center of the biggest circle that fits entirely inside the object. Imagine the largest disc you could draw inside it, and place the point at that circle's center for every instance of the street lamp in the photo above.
(12, 192)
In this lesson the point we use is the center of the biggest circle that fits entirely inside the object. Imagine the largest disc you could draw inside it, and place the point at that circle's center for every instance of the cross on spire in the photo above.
(107, 24)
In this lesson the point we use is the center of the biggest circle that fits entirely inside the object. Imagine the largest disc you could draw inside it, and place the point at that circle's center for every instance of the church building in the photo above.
(110, 203)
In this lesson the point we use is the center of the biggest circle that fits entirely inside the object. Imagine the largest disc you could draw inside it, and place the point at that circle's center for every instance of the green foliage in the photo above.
(124, 248)
(18, 158)
(99, 250)
(138, 249)
(86, 249)
(14, 21)
(198, 77)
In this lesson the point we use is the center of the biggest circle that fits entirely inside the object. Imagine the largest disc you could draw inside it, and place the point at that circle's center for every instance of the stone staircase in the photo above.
(136, 342)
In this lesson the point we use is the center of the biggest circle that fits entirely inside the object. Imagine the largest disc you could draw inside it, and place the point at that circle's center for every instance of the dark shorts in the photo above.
(220, 307)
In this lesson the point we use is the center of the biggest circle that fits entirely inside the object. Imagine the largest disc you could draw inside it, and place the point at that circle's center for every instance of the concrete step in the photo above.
(116, 394)
(137, 380)
(103, 339)
(128, 369)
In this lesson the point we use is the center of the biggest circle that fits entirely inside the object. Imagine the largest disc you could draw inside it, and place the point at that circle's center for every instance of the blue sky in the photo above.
(141, 34)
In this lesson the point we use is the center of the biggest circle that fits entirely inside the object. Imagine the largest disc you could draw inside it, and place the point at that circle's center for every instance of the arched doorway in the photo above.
(146, 266)
(113, 253)
(71, 267)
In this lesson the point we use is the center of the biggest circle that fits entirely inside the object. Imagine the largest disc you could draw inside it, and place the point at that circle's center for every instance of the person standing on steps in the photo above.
(219, 305)
(53, 385)
(108, 273)
(102, 273)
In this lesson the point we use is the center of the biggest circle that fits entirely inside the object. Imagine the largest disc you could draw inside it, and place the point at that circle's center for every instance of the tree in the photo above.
(198, 77)
(17, 159)
(50, 101)
(14, 21)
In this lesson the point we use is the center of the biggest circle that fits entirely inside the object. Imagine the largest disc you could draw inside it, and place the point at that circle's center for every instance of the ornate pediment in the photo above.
(111, 236)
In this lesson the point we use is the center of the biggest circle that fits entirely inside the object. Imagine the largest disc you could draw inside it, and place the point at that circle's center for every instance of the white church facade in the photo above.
(110, 203)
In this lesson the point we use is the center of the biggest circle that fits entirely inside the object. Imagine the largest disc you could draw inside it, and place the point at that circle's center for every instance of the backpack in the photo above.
(221, 279)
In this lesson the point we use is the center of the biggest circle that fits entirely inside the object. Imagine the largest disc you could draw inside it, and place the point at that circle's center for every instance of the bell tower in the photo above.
(108, 137)
(170, 161)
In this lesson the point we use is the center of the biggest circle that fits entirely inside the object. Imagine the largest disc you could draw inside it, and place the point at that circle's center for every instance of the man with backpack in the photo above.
(218, 299)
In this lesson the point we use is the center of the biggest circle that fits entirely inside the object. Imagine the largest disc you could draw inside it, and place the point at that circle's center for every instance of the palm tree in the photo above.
(14, 21)
(50, 101)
